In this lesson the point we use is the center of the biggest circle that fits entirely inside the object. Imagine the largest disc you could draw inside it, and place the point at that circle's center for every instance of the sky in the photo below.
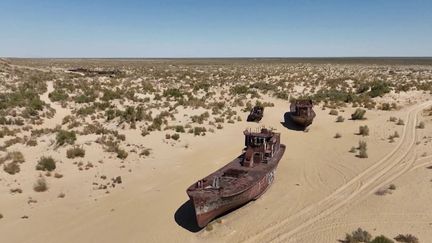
(215, 28)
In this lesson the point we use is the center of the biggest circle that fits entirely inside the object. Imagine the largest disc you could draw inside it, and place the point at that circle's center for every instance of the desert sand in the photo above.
(321, 191)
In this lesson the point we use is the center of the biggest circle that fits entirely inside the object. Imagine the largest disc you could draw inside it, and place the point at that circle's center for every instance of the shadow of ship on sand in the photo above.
(290, 124)
(185, 217)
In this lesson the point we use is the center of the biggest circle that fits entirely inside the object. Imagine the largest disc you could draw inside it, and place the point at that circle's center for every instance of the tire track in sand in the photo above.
(349, 191)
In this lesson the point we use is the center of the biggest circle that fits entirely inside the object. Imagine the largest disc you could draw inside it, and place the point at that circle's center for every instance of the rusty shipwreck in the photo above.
(244, 179)
(256, 114)
(302, 113)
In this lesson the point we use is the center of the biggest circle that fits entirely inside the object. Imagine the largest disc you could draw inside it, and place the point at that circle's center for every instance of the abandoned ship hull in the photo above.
(303, 121)
(208, 208)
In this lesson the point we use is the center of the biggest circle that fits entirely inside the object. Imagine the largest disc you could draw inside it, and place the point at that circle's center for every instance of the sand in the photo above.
(321, 190)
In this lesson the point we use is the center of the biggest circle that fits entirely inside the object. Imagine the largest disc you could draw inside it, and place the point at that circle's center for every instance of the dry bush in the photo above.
(358, 236)
(333, 112)
(408, 238)
(46, 164)
(75, 152)
(337, 135)
(40, 185)
(400, 122)
(362, 149)
(364, 130)
(358, 114)
(340, 119)
(12, 168)
(421, 125)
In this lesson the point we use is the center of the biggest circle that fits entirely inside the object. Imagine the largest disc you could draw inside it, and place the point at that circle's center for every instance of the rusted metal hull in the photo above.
(209, 207)
(303, 120)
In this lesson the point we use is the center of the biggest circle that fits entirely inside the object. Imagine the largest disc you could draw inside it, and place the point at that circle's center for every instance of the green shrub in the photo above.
(75, 152)
(381, 239)
(379, 88)
(46, 164)
(358, 114)
(64, 137)
(58, 95)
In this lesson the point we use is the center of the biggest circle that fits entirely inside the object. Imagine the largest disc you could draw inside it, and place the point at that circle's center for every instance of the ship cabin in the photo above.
(303, 108)
(260, 147)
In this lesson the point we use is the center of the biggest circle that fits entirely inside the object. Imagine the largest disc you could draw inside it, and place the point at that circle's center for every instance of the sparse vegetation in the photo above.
(400, 122)
(362, 149)
(421, 125)
(333, 112)
(65, 137)
(46, 164)
(408, 238)
(75, 152)
(40, 185)
(340, 119)
(364, 130)
(358, 114)
(337, 135)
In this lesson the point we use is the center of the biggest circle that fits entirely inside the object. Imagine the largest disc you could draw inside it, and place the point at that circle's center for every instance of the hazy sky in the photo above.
(215, 28)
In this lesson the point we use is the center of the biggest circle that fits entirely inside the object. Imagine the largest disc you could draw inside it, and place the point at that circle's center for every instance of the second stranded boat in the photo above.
(244, 179)
(302, 113)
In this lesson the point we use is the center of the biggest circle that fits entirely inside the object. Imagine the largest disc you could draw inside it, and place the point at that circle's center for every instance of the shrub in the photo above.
(58, 95)
(353, 149)
(180, 129)
(121, 153)
(40, 185)
(421, 125)
(167, 136)
(393, 119)
(46, 164)
(358, 236)
(340, 119)
(408, 238)
(337, 135)
(381, 239)
(392, 187)
(75, 152)
(145, 152)
(32, 142)
(364, 130)
(358, 114)
(379, 88)
(400, 122)
(64, 137)
(333, 112)
(385, 106)
(362, 149)
(175, 136)
(11, 168)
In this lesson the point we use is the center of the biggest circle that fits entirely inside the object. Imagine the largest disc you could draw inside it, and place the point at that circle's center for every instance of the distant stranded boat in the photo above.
(244, 179)
(256, 114)
(302, 112)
